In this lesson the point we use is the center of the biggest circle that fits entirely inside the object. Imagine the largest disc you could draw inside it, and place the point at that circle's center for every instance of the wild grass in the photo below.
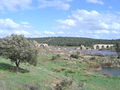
(75, 69)
(41, 76)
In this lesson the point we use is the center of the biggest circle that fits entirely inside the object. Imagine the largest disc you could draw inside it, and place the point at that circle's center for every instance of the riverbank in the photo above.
(68, 50)
(106, 58)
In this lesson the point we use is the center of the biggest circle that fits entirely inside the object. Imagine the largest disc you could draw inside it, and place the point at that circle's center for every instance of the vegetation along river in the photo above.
(110, 71)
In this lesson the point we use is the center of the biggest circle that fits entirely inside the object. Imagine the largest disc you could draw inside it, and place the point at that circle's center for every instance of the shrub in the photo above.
(55, 57)
(18, 49)
(74, 56)
(93, 58)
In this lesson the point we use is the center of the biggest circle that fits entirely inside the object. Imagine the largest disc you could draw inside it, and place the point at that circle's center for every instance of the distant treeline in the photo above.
(72, 41)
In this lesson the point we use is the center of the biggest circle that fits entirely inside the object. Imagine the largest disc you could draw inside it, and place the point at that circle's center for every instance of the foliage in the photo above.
(74, 56)
(18, 49)
(72, 41)
(55, 57)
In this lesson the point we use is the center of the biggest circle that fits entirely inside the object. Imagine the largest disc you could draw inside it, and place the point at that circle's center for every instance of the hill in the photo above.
(72, 41)
(33, 78)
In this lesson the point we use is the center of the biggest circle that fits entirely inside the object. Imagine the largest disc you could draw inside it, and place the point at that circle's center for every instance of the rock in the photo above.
(65, 58)
(71, 62)
(66, 84)
(89, 74)
(59, 69)
(70, 71)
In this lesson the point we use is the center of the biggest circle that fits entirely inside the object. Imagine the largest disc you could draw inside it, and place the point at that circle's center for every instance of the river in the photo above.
(102, 52)
(99, 52)
(111, 71)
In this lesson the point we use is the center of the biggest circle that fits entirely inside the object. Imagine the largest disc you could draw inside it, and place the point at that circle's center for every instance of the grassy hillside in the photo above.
(29, 78)
(72, 41)
(50, 72)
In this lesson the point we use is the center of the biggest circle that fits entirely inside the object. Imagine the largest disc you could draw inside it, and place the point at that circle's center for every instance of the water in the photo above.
(100, 52)
(95, 51)
(111, 71)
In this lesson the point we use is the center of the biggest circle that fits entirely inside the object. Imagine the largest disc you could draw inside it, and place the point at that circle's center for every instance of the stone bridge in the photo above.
(102, 46)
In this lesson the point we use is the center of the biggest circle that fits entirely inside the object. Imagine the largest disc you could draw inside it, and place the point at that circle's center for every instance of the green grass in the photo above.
(36, 77)
(96, 81)
(47, 71)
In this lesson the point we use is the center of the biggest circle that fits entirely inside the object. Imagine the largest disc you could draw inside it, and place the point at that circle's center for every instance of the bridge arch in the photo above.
(102, 46)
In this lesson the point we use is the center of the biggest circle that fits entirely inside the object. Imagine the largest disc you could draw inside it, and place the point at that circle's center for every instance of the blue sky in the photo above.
(75, 18)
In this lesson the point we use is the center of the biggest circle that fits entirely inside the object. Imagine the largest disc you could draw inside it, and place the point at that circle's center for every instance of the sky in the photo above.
(98, 19)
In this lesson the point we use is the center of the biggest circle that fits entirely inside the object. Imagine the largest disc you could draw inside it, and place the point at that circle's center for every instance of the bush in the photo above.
(93, 58)
(18, 49)
(74, 56)
(55, 57)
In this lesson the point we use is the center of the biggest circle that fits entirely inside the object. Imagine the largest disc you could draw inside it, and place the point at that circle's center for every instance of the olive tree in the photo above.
(118, 49)
(18, 49)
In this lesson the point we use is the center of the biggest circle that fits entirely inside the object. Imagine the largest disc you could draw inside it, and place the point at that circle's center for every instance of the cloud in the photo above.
(59, 4)
(8, 26)
(68, 22)
(25, 23)
(91, 24)
(13, 5)
(96, 1)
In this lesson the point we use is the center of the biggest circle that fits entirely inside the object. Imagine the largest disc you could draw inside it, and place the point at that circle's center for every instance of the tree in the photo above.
(117, 47)
(18, 49)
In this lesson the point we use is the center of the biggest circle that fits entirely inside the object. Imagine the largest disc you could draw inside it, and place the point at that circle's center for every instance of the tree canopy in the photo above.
(72, 41)
(18, 49)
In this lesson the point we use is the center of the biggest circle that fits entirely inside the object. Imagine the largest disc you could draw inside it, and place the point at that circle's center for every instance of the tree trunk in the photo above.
(17, 64)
